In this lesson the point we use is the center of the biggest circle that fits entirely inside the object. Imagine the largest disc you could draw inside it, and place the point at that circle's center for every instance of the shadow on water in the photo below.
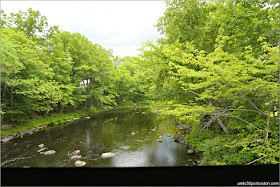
(107, 132)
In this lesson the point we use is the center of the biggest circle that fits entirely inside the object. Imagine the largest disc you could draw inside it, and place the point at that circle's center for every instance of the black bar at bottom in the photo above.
(159, 176)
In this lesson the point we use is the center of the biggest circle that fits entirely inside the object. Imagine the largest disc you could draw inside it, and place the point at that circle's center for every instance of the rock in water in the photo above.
(190, 151)
(75, 153)
(159, 140)
(79, 163)
(133, 133)
(76, 157)
(107, 155)
(6, 139)
(41, 145)
(50, 152)
(40, 150)
(181, 126)
(160, 137)
(179, 139)
(87, 117)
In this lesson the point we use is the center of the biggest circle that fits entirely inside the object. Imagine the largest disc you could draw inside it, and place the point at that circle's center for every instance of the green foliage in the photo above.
(217, 68)
(222, 61)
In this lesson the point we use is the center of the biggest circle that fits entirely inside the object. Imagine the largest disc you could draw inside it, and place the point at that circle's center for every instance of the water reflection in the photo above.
(131, 159)
(108, 132)
(165, 152)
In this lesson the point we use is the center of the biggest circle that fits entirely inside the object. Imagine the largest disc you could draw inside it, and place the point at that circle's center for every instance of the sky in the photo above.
(122, 26)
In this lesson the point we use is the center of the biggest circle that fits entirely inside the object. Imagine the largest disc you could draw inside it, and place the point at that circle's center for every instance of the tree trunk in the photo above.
(46, 113)
(11, 102)
(12, 97)
(61, 109)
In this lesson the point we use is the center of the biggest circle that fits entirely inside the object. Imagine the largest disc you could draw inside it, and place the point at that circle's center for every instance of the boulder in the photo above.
(76, 157)
(41, 145)
(79, 163)
(50, 124)
(75, 153)
(40, 150)
(181, 126)
(75, 118)
(107, 155)
(6, 139)
(190, 151)
(179, 139)
(50, 152)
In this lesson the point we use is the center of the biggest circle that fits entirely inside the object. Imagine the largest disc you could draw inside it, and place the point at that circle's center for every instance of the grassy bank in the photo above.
(61, 118)
(43, 121)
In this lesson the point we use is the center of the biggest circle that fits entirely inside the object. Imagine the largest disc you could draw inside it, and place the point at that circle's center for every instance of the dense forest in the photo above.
(217, 67)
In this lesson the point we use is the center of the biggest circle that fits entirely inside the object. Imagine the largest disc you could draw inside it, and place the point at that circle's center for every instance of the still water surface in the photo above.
(104, 132)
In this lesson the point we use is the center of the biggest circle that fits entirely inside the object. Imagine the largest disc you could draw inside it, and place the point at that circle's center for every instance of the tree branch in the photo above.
(267, 125)
(243, 121)
(247, 110)
(213, 119)
(255, 160)
(200, 96)
(222, 125)
(264, 114)
(267, 121)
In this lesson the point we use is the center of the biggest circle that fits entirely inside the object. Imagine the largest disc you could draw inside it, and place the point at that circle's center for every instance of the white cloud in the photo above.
(120, 25)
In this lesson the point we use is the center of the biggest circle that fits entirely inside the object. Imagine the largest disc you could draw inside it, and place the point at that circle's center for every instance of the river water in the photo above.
(104, 132)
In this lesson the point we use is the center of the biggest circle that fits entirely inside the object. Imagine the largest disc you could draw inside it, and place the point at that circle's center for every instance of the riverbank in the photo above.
(38, 124)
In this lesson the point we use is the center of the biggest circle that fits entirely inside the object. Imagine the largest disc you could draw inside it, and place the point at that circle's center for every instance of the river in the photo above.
(104, 132)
